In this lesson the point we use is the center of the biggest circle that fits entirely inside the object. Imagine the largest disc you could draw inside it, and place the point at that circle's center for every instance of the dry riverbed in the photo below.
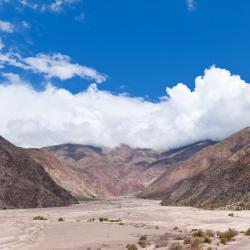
(79, 227)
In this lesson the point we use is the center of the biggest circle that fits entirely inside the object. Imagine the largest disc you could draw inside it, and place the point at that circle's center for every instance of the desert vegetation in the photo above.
(39, 217)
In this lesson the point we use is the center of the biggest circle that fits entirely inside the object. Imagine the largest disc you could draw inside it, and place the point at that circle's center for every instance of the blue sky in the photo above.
(123, 71)
(141, 45)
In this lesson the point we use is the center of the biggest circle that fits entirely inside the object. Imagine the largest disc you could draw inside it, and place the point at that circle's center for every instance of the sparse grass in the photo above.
(39, 217)
(227, 235)
(131, 247)
(247, 232)
(60, 219)
(103, 219)
(176, 246)
(196, 244)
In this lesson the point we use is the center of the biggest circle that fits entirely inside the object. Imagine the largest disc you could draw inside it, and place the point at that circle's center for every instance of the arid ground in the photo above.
(138, 217)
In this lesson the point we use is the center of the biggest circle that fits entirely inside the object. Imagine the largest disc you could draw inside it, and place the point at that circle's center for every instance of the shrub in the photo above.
(187, 241)
(103, 219)
(209, 248)
(223, 240)
(117, 220)
(60, 219)
(247, 232)
(207, 239)
(175, 228)
(131, 247)
(143, 241)
(209, 233)
(198, 233)
(39, 218)
(227, 235)
(176, 246)
(231, 215)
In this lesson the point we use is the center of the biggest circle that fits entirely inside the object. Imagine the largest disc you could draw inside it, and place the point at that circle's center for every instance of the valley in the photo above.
(138, 217)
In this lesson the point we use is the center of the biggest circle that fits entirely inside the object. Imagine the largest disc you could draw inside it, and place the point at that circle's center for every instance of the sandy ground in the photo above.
(19, 231)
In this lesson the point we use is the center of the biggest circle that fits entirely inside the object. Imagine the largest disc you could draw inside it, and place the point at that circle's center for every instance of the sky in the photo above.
(147, 73)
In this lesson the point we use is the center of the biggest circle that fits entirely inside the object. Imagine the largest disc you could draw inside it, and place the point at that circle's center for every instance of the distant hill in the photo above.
(24, 183)
(111, 172)
(217, 176)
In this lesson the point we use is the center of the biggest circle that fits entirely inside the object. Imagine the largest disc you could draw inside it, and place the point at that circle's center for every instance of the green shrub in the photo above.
(227, 235)
(131, 247)
(223, 240)
(39, 218)
(103, 219)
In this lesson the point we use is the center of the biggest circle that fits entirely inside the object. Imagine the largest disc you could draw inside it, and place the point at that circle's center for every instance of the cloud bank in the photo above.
(218, 106)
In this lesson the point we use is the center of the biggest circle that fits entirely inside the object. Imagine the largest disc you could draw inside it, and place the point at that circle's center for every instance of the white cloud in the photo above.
(1, 44)
(191, 4)
(52, 66)
(218, 106)
(49, 5)
(6, 27)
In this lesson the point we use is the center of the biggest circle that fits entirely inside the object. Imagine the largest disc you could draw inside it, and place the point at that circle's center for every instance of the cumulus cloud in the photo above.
(218, 106)
(6, 26)
(52, 66)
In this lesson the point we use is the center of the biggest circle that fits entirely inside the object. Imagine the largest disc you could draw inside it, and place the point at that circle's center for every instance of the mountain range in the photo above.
(205, 174)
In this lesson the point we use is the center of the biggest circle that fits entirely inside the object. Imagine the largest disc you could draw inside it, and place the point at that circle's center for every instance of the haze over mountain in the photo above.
(217, 176)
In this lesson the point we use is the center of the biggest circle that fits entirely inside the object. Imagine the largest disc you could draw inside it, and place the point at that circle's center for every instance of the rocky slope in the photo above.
(24, 183)
(217, 176)
(118, 171)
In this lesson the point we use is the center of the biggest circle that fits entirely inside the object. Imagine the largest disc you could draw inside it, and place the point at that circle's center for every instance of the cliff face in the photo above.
(24, 183)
